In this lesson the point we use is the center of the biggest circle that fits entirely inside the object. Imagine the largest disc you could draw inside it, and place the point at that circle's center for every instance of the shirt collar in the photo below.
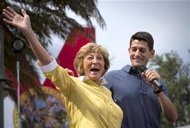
(131, 70)
(85, 78)
(127, 68)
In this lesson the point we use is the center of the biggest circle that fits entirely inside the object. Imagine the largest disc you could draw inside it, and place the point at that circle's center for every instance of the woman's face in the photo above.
(93, 64)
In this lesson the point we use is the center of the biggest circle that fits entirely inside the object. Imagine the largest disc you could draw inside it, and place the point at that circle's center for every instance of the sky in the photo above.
(167, 20)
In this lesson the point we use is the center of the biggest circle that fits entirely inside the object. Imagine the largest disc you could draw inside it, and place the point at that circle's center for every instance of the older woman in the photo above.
(88, 103)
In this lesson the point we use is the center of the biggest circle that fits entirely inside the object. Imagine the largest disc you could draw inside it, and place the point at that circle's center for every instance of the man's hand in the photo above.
(70, 72)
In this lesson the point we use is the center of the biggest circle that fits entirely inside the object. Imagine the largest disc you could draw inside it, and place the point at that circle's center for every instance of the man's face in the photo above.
(139, 53)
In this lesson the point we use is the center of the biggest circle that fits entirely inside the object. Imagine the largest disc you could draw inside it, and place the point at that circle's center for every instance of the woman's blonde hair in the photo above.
(87, 49)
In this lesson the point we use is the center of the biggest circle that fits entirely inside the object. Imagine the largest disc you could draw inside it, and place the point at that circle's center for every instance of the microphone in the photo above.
(155, 81)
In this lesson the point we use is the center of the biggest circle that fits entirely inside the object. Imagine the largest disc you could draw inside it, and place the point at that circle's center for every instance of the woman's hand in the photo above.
(13, 18)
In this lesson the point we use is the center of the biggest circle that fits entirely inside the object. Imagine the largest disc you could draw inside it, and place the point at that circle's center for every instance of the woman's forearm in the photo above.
(41, 54)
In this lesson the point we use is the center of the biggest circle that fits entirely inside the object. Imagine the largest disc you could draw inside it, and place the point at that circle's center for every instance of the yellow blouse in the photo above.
(87, 104)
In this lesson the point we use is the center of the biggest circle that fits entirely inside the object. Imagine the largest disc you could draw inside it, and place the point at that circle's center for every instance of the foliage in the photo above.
(176, 74)
(47, 17)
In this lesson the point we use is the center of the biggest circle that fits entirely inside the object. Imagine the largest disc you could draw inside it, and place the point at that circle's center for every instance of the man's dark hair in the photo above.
(145, 36)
